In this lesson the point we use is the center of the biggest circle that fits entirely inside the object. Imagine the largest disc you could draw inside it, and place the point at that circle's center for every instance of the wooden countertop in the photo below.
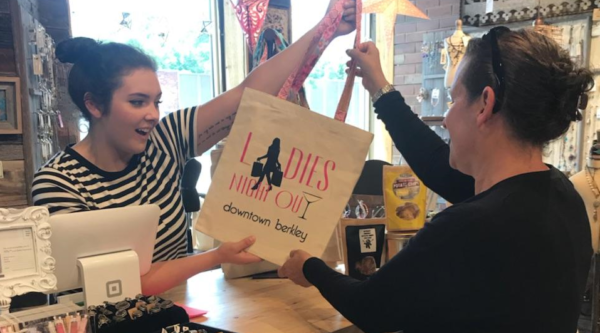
(259, 306)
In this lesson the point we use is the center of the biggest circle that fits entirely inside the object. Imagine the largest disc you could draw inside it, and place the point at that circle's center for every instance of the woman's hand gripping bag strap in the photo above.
(323, 37)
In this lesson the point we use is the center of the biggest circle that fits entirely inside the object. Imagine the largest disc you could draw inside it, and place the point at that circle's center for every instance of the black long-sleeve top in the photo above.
(514, 258)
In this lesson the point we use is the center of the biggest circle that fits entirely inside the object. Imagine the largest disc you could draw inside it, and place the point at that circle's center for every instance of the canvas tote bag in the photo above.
(320, 160)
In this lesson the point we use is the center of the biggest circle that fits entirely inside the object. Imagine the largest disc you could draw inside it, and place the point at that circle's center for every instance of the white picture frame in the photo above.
(25, 235)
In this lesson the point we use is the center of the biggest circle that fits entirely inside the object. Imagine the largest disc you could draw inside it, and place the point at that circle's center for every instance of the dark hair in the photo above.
(542, 86)
(98, 69)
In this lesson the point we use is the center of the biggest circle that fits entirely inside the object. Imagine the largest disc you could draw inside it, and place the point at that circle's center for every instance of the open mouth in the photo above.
(143, 131)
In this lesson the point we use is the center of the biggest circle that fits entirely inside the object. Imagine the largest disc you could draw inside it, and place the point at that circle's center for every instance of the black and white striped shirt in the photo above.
(69, 183)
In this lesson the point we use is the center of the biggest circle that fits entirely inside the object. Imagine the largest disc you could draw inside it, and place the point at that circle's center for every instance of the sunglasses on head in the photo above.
(497, 64)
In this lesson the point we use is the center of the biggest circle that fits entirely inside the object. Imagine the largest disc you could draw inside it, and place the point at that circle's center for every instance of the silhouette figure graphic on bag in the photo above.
(272, 167)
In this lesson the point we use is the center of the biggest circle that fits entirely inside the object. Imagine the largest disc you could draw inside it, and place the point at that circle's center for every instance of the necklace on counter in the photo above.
(589, 176)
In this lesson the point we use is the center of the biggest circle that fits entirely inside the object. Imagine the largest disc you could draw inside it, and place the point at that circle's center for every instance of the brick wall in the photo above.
(408, 59)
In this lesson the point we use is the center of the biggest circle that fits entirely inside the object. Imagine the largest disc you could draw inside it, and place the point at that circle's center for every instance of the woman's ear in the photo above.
(486, 105)
(94, 109)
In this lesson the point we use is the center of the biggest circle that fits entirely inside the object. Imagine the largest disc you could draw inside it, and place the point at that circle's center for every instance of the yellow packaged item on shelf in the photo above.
(405, 198)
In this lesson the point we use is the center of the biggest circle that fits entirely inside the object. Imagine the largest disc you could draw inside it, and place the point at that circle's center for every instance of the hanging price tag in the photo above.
(435, 97)
(60, 121)
(489, 6)
(38, 67)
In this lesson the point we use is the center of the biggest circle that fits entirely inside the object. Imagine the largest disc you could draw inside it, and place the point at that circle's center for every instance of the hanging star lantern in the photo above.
(390, 9)
(251, 15)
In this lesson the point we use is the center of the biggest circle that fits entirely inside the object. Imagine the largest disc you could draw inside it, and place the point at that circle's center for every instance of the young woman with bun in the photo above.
(131, 157)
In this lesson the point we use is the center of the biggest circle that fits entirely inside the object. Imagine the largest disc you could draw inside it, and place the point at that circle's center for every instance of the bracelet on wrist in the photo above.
(386, 89)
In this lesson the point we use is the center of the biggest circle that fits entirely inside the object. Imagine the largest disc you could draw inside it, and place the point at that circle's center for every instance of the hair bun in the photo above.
(577, 83)
(71, 50)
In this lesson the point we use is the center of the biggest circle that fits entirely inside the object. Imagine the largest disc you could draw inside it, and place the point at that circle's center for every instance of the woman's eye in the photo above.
(137, 103)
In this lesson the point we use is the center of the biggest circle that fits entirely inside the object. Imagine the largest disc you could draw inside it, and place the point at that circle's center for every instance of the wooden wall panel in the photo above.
(8, 65)
(55, 16)
(20, 16)
(12, 186)
(11, 152)
(13, 192)
(20, 153)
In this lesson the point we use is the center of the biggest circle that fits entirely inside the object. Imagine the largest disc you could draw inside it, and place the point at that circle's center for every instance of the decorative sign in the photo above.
(251, 15)
(285, 176)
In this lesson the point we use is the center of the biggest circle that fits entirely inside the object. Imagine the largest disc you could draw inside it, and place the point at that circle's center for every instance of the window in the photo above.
(325, 84)
(182, 41)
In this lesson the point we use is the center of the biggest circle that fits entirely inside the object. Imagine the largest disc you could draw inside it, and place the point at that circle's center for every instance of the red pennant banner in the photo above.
(251, 14)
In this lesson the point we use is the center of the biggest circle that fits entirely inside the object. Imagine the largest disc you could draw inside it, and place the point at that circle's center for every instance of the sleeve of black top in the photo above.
(401, 294)
(365, 304)
(426, 153)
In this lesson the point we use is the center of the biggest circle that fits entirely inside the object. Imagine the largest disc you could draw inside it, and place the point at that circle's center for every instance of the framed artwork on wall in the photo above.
(279, 18)
(285, 4)
(10, 106)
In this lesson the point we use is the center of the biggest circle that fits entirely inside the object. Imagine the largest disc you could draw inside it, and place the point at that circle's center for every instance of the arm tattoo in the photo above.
(220, 127)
